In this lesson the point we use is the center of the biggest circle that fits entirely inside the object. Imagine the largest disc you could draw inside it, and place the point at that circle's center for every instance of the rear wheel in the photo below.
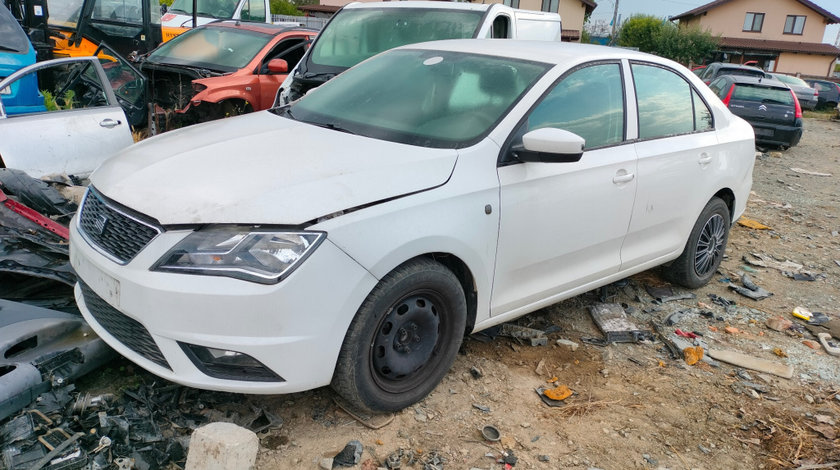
(403, 339)
(704, 249)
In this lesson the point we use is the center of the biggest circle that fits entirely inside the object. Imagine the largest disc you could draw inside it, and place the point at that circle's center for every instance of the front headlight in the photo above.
(252, 254)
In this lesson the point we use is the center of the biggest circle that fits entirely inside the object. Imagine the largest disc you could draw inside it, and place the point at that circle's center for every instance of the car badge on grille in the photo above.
(100, 223)
(762, 108)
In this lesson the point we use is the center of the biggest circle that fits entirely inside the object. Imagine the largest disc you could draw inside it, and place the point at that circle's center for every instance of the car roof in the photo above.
(551, 52)
(420, 4)
(265, 28)
(760, 81)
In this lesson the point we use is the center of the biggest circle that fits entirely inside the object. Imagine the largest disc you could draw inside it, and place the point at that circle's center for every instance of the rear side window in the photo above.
(761, 94)
(702, 114)
(664, 102)
(588, 102)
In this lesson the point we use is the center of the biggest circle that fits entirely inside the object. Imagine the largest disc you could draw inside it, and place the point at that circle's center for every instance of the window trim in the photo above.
(502, 161)
(693, 115)
(752, 26)
(547, 4)
(793, 25)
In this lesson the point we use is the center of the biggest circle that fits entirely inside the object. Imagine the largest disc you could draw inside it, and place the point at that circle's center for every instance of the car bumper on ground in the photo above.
(294, 328)
(770, 134)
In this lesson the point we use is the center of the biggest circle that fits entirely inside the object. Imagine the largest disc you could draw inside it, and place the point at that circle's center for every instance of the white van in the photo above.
(361, 30)
(178, 17)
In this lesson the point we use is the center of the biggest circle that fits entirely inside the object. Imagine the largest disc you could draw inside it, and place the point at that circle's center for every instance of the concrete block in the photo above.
(222, 446)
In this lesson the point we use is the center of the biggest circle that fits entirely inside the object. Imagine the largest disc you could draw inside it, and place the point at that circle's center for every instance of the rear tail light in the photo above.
(729, 95)
(796, 102)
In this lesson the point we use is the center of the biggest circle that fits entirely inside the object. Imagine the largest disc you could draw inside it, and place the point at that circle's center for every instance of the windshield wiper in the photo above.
(333, 127)
(284, 111)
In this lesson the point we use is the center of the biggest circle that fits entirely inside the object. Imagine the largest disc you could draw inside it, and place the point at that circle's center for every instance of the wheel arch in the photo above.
(728, 197)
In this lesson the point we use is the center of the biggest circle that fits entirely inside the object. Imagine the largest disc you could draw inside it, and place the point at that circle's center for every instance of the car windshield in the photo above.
(212, 8)
(357, 34)
(762, 94)
(424, 98)
(223, 49)
(790, 80)
(12, 37)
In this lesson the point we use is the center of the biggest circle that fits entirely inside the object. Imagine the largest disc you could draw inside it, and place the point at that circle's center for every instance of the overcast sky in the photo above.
(670, 8)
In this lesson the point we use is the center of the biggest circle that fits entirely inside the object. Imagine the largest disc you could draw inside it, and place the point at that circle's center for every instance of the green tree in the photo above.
(284, 7)
(661, 37)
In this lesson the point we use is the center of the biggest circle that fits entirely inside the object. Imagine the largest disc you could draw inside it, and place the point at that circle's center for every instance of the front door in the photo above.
(562, 224)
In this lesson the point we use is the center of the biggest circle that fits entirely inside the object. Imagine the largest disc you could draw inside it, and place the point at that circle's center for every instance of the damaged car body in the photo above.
(418, 196)
(221, 69)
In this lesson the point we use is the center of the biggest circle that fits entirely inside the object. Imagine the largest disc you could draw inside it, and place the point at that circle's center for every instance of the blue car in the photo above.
(16, 52)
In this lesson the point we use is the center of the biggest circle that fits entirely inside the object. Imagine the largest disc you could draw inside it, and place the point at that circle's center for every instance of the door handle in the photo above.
(618, 179)
(705, 159)
(109, 123)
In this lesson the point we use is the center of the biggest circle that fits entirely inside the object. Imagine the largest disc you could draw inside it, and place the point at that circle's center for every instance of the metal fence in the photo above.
(308, 21)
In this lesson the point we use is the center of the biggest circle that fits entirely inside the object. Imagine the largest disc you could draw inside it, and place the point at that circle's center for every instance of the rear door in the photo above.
(764, 107)
(82, 126)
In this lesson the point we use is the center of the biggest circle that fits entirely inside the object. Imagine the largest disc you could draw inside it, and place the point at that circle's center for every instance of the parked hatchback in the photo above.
(829, 92)
(769, 105)
(716, 69)
(807, 96)
(353, 237)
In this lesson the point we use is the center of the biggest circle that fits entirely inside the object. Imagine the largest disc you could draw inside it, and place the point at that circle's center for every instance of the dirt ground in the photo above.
(633, 405)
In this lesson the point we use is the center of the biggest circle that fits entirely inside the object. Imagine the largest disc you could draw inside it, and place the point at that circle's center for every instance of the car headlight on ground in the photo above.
(252, 254)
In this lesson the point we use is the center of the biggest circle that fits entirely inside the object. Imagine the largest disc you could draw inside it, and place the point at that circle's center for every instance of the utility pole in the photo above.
(614, 23)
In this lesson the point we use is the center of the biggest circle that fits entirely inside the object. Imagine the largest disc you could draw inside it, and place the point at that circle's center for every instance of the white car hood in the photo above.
(264, 169)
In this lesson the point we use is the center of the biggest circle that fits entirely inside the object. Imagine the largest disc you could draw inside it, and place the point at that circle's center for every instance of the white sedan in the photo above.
(354, 237)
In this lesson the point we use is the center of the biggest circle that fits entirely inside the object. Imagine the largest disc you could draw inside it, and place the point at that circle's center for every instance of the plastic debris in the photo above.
(349, 456)
(685, 334)
(612, 320)
(491, 433)
(779, 352)
(778, 323)
(803, 171)
(693, 355)
(750, 289)
(802, 312)
(811, 344)
(536, 337)
(765, 261)
(559, 393)
(753, 224)
(825, 341)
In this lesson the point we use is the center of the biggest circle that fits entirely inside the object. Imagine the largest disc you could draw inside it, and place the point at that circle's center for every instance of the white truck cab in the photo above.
(178, 17)
(361, 30)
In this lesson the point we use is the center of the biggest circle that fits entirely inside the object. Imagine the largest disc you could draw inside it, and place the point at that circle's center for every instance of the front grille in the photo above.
(127, 330)
(111, 229)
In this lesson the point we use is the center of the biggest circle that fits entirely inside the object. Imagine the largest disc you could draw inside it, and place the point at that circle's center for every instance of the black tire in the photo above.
(704, 249)
(403, 339)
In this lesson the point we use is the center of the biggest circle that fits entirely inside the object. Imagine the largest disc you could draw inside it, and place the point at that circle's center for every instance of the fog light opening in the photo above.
(229, 365)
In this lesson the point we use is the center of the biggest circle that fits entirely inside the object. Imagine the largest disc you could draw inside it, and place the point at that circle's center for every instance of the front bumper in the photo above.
(294, 328)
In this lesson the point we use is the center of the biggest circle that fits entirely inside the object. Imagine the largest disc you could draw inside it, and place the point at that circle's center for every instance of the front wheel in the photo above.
(703, 252)
(403, 339)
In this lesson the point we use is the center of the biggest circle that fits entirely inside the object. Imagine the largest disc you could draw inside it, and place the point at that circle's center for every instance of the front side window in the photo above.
(358, 34)
(253, 10)
(57, 87)
(424, 98)
(753, 22)
(794, 24)
(588, 102)
(664, 102)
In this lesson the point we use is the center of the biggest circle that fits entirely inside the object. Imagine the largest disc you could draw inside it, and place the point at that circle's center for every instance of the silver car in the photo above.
(806, 95)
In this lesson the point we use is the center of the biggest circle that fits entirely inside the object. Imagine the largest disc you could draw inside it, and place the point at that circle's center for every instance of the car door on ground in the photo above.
(677, 150)
(563, 224)
(83, 125)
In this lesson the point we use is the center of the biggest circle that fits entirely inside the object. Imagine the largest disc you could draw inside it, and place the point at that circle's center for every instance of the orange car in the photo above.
(221, 69)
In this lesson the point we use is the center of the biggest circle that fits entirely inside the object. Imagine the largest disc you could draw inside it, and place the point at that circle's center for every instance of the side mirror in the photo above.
(550, 145)
(163, 8)
(278, 66)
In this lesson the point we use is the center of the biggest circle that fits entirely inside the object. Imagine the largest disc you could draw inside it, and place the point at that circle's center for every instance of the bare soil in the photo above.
(633, 405)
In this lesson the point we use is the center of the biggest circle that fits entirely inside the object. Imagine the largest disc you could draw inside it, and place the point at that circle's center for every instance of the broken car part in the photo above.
(617, 327)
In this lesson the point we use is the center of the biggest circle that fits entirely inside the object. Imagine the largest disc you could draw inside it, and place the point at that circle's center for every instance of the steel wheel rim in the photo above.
(406, 342)
(710, 247)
